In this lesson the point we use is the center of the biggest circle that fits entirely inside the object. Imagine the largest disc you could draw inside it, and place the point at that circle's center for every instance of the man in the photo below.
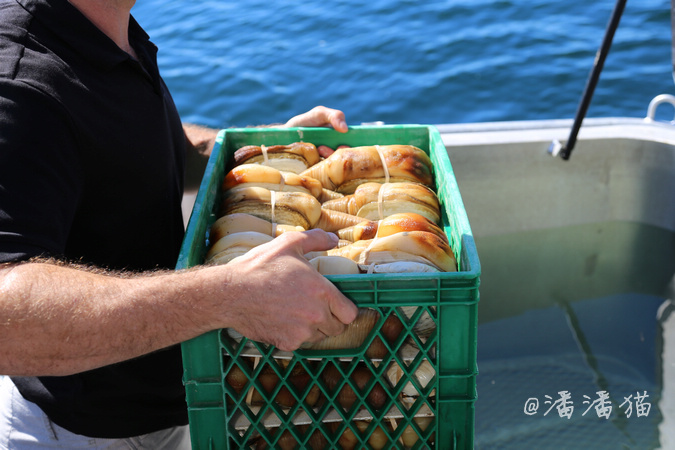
(92, 156)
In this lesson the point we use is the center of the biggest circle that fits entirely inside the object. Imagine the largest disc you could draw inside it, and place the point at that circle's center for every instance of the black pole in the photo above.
(593, 78)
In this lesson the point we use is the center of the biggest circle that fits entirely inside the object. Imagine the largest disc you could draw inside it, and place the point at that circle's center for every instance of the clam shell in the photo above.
(332, 221)
(354, 335)
(291, 157)
(234, 223)
(416, 246)
(398, 267)
(251, 175)
(366, 229)
(409, 221)
(424, 374)
(372, 211)
(409, 436)
(286, 164)
(392, 224)
(375, 201)
(334, 265)
(291, 208)
(424, 325)
(227, 255)
(327, 195)
(245, 239)
(347, 168)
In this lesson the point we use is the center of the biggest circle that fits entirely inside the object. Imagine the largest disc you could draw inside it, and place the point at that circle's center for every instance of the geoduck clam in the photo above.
(395, 223)
(290, 208)
(295, 157)
(375, 201)
(236, 244)
(415, 246)
(256, 175)
(240, 222)
(347, 168)
(424, 375)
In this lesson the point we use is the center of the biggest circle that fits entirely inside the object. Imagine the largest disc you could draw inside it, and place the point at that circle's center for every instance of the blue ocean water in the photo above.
(402, 61)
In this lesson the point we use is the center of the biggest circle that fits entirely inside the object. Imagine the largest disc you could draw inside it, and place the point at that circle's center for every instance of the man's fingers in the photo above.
(316, 240)
(320, 116)
(325, 151)
(340, 307)
(338, 310)
(336, 119)
(344, 310)
(332, 327)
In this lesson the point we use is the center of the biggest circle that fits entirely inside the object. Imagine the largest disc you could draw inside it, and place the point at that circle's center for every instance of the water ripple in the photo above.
(235, 64)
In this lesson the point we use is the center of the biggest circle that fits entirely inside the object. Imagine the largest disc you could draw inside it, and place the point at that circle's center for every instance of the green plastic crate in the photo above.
(222, 417)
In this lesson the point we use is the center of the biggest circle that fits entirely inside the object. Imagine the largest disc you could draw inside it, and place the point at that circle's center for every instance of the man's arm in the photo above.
(57, 320)
(199, 143)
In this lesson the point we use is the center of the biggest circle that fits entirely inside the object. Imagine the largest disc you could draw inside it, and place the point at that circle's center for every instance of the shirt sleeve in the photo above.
(40, 173)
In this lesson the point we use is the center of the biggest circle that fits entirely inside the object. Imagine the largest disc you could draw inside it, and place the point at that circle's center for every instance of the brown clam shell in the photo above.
(246, 175)
(419, 246)
(360, 376)
(291, 208)
(345, 169)
(335, 220)
(297, 150)
(370, 200)
(395, 223)
(354, 334)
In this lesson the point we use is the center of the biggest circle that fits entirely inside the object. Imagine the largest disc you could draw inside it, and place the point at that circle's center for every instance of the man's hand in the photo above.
(320, 116)
(282, 300)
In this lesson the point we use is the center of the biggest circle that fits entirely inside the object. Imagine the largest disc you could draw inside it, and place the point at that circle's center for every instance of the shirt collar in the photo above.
(74, 28)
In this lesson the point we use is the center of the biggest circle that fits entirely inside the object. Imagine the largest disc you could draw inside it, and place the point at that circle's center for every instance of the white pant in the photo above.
(23, 426)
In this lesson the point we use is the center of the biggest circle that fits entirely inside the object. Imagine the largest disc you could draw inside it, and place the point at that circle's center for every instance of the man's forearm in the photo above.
(56, 319)
(199, 142)
(200, 139)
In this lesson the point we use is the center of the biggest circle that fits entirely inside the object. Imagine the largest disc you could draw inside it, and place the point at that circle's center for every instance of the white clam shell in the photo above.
(424, 374)
(425, 324)
(398, 267)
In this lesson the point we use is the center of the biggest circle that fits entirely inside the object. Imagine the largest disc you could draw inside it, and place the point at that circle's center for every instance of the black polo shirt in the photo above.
(91, 169)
